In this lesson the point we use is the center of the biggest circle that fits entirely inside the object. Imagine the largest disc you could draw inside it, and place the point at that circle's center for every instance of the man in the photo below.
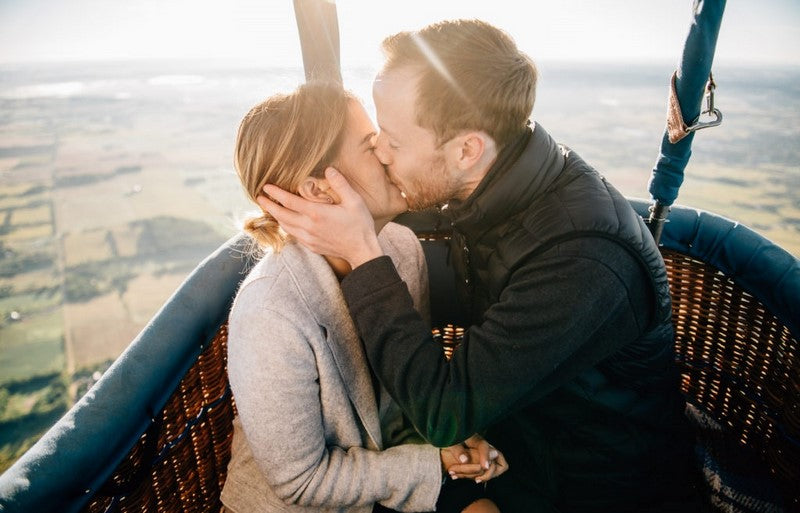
(568, 365)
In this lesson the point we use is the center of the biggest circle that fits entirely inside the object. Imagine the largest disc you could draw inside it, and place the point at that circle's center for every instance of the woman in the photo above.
(315, 430)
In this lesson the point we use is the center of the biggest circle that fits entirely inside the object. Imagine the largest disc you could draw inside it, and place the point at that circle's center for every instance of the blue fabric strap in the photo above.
(692, 75)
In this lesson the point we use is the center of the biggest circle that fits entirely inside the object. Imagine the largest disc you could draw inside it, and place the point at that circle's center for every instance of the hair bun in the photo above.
(265, 231)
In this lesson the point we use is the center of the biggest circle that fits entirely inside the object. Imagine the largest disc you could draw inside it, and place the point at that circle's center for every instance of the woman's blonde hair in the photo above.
(284, 140)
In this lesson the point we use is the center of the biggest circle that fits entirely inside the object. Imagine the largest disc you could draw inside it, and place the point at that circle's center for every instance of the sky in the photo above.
(264, 31)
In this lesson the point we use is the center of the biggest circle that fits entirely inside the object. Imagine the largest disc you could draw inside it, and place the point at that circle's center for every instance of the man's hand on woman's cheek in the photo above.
(345, 230)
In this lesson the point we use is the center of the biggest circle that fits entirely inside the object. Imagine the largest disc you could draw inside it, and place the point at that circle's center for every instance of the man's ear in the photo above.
(471, 149)
(316, 190)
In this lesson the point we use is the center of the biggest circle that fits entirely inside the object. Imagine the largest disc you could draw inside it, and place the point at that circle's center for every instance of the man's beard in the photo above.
(435, 189)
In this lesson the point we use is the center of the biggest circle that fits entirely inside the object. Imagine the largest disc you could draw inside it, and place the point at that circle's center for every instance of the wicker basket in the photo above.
(186, 467)
(739, 365)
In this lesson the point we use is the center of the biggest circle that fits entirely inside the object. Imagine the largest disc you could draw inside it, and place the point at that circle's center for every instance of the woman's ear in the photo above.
(316, 190)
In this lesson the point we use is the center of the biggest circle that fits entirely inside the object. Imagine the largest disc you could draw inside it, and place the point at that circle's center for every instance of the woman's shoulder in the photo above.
(266, 282)
(282, 265)
(267, 266)
(286, 281)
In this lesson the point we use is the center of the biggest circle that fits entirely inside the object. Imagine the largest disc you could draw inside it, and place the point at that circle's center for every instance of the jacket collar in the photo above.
(523, 170)
(320, 289)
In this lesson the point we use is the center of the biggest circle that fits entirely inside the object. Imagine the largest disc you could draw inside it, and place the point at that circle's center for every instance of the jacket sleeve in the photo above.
(274, 378)
(556, 317)
(403, 247)
(409, 259)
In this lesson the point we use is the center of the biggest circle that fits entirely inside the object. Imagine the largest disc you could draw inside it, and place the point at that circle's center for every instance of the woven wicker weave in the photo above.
(188, 469)
(739, 364)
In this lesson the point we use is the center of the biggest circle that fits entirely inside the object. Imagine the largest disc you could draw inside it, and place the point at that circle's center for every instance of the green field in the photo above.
(48, 287)
(31, 346)
(65, 270)
(32, 391)
(29, 302)
(27, 409)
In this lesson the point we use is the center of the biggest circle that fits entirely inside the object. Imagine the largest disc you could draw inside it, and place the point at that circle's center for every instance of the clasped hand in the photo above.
(474, 458)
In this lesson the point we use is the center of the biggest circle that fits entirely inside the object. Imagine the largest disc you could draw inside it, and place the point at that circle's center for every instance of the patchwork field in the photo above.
(97, 229)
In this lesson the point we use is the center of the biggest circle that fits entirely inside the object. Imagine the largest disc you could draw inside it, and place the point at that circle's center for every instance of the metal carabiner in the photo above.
(709, 111)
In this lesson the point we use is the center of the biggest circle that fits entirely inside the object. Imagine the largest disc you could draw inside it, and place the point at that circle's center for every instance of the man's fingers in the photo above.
(502, 465)
(340, 185)
(460, 453)
(288, 200)
(487, 475)
(284, 216)
(483, 454)
(265, 203)
(464, 470)
(497, 466)
(344, 230)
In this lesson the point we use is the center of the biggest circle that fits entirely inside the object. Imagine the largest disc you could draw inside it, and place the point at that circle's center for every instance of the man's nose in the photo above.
(382, 150)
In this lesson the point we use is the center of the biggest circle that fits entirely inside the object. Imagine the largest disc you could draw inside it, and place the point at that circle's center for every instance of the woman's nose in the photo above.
(382, 150)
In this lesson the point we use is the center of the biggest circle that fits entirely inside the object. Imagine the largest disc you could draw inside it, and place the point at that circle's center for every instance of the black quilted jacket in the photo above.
(568, 366)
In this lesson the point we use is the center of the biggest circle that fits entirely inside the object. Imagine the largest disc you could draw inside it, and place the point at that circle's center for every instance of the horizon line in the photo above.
(247, 63)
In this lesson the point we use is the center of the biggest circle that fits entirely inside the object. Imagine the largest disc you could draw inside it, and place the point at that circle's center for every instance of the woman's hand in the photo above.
(474, 458)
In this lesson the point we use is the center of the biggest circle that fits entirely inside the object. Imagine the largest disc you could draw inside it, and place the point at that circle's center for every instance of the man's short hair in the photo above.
(472, 77)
